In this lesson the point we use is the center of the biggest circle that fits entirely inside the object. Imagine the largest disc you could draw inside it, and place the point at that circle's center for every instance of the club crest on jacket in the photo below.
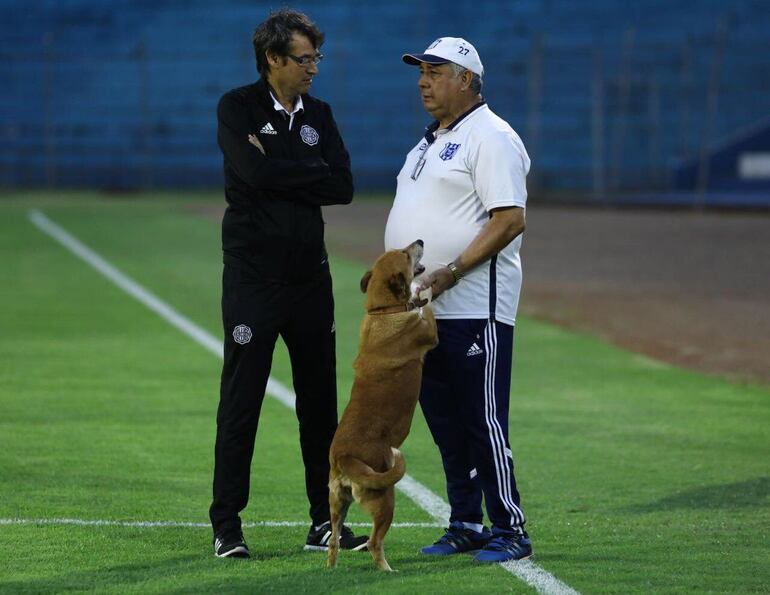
(308, 135)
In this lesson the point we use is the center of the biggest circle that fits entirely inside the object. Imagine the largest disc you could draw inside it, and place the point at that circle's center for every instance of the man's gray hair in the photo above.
(476, 82)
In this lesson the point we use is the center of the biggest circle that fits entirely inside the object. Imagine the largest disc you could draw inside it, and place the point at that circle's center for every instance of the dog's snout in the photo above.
(415, 249)
(414, 253)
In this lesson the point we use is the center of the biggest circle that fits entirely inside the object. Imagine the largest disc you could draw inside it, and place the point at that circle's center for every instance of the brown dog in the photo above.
(395, 336)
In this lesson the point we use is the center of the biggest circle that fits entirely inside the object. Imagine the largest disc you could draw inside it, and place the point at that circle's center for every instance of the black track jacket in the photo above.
(273, 219)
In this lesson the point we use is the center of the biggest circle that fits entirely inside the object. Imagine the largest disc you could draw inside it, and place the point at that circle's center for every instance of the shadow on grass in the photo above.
(745, 494)
(277, 573)
(194, 574)
(125, 575)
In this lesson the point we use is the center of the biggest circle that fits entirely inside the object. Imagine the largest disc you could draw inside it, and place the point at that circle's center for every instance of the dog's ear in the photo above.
(397, 284)
(365, 281)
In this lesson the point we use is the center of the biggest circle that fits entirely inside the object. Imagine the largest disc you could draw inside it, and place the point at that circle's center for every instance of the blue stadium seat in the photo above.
(99, 88)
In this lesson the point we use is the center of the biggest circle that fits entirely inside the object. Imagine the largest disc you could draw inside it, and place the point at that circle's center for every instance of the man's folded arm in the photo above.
(254, 168)
(337, 189)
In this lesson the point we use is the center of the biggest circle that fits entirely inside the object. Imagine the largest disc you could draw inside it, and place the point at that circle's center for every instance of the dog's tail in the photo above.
(362, 474)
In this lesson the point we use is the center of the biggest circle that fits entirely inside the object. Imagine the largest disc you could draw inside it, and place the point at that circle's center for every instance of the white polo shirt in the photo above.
(445, 192)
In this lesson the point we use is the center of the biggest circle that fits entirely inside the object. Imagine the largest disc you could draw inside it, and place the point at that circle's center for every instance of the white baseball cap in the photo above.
(449, 49)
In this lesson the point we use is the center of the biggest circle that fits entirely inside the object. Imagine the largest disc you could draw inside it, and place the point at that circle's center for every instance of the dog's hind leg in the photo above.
(380, 505)
(339, 502)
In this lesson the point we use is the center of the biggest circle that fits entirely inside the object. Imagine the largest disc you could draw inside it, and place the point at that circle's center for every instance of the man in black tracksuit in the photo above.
(283, 159)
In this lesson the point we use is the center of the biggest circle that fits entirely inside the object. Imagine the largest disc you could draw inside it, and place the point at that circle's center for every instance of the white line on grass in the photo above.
(434, 505)
(538, 578)
(188, 327)
(526, 570)
(145, 524)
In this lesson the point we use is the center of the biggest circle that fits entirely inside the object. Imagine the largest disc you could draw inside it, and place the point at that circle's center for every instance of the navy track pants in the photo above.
(465, 400)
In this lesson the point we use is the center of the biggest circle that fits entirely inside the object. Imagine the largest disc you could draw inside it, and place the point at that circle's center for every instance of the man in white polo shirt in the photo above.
(462, 190)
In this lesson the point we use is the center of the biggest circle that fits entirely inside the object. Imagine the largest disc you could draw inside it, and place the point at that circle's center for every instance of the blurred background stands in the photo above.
(653, 101)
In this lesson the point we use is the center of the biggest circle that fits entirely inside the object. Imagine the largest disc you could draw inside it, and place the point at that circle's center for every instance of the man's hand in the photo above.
(439, 281)
(504, 225)
(255, 141)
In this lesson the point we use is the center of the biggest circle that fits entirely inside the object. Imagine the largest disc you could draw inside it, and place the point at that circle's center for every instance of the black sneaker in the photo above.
(230, 544)
(458, 539)
(318, 539)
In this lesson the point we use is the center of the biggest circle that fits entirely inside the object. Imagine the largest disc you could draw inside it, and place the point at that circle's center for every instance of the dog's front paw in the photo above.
(420, 297)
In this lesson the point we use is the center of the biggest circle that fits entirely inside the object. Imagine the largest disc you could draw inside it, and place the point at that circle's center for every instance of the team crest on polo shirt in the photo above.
(242, 334)
(449, 151)
(308, 135)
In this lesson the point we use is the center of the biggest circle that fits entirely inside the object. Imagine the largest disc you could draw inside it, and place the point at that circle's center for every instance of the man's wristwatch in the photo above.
(457, 275)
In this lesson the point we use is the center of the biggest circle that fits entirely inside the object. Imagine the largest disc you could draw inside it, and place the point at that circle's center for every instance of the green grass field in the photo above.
(636, 476)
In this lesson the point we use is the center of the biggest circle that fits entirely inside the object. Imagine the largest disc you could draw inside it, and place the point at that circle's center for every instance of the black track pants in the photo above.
(254, 313)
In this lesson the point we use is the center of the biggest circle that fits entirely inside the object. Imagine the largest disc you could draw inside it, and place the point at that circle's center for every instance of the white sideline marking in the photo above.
(434, 505)
(154, 303)
(146, 524)
(127, 284)
(536, 577)
(526, 570)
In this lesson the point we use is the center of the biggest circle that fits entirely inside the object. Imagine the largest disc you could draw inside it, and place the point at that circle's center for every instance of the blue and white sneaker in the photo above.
(458, 539)
(506, 546)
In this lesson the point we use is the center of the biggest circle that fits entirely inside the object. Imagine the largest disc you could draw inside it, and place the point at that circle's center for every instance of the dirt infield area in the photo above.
(690, 288)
